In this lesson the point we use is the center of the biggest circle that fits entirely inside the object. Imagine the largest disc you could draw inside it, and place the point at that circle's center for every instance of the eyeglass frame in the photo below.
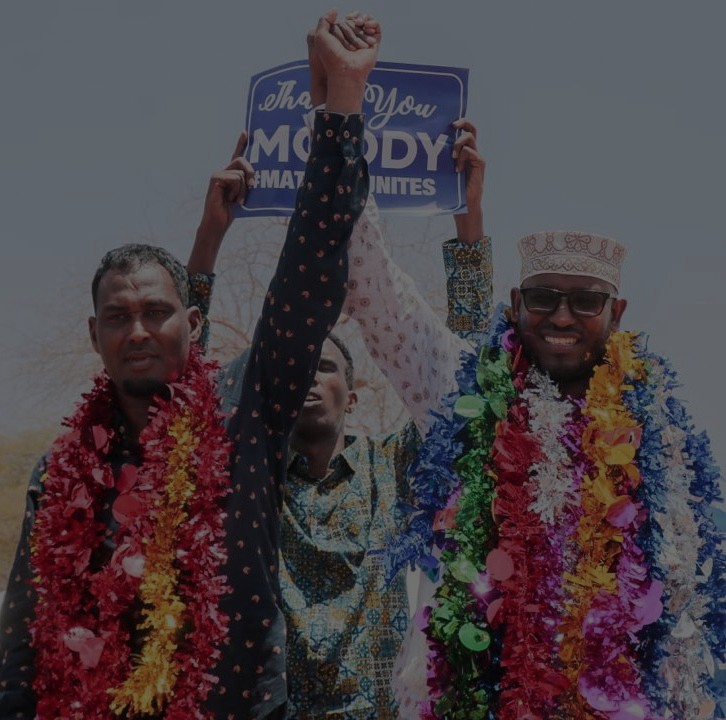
(560, 294)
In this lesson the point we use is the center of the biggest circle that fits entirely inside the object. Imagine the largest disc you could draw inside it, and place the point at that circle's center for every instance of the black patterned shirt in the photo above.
(301, 306)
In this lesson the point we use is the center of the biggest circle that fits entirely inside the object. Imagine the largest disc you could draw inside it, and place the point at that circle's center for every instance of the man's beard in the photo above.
(566, 375)
(145, 388)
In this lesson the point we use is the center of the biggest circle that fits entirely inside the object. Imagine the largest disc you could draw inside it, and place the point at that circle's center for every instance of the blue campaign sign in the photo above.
(409, 110)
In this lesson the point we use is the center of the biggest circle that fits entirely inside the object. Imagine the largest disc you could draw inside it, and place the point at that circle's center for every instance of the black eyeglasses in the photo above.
(583, 303)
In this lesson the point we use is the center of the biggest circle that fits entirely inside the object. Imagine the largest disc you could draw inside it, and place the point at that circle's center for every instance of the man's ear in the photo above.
(515, 298)
(92, 332)
(616, 312)
(352, 401)
(194, 316)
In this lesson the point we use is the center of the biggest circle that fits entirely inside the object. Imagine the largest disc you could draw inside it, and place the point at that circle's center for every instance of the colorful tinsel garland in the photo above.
(164, 568)
(577, 564)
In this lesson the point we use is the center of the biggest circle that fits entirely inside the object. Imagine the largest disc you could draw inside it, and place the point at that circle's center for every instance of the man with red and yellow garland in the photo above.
(146, 580)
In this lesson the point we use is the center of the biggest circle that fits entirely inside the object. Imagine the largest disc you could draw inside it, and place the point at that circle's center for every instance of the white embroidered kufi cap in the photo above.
(571, 253)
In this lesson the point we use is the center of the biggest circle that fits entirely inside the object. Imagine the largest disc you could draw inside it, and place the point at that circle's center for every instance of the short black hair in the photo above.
(347, 356)
(129, 258)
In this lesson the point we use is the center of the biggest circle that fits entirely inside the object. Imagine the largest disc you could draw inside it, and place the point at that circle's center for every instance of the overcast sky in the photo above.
(608, 117)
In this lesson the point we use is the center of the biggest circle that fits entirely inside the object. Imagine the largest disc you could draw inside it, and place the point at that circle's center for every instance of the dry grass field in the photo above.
(18, 455)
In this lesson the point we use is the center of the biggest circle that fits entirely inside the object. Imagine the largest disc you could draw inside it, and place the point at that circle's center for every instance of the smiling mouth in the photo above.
(557, 340)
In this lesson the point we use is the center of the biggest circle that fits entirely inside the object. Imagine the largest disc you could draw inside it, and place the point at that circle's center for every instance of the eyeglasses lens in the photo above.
(587, 303)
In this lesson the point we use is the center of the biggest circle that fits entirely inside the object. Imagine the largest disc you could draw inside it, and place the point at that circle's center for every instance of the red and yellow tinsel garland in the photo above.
(164, 567)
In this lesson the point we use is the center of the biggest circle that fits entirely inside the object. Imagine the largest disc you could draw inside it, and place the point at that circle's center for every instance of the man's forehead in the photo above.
(149, 279)
(331, 351)
(561, 281)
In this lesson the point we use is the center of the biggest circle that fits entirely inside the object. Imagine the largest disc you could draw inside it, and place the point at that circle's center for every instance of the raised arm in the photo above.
(307, 292)
(402, 333)
(406, 338)
(468, 257)
(347, 52)
(226, 188)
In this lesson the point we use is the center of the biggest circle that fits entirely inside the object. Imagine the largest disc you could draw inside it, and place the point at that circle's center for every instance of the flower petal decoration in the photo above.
(86, 644)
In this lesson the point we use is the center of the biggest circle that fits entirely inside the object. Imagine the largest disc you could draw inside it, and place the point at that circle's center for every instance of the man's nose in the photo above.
(138, 331)
(562, 315)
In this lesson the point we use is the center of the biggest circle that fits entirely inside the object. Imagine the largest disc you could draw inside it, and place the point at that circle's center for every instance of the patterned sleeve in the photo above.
(307, 292)
(200, 294)
(469, 288)
(414, 349)
(17, 699)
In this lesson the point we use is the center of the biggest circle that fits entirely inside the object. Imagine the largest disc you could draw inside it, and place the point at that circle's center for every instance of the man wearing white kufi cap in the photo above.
(567, 304)
(571, 253)
(561, 504)
(562, 512)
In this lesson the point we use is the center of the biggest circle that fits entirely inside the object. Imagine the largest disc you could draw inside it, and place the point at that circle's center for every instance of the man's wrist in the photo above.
(207, 243)
(345, 94)
(318, 91)
(469, 226)
(210, 236)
